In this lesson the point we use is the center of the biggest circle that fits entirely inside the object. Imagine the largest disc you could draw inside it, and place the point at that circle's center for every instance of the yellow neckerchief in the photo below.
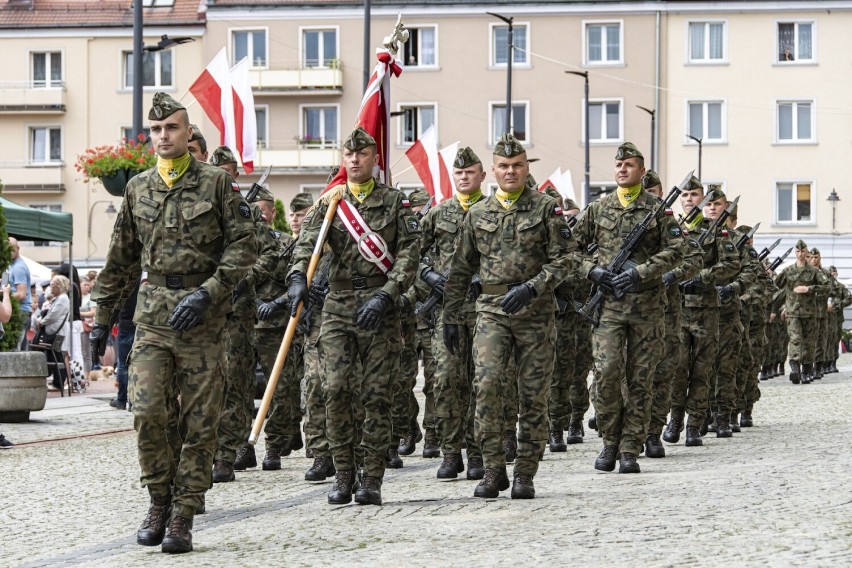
(698, 220)
(171, 170)
(507, 199)
(467, 200)
(361, 191)
(627, 195)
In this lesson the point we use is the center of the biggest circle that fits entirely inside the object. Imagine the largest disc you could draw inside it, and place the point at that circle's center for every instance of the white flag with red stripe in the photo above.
(433, 166)
(212, 89)
(561, 182)
(245, 119)
(445, 167)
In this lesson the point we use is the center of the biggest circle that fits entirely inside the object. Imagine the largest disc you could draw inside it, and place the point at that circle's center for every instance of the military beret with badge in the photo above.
(163, 106)
(508, 146)
(222, 155)
(358, 140)
(301, 201)
(465, 158)
(650, 179)
(628, 150)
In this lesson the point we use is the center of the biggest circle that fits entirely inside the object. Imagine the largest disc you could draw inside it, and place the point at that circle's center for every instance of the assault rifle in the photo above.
(777, 262)
(741, 242)
(426, 310)
(257, 186)
(765, 252)
(720, 221)
(591, 309)
(690, 217)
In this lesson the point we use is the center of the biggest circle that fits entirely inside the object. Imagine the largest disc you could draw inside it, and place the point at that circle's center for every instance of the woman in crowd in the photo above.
(54, 318)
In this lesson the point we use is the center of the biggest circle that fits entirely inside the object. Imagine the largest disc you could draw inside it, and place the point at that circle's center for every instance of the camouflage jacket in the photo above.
(387, 213)
(273, 285)
(745, 282)
(842, 298)
(802, 305)
(527, 243)
(200, 227)
(268, 251)
(720, 262)
(607, 223)
(822, 297)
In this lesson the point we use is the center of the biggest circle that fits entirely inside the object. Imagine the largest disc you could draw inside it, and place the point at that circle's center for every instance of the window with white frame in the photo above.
(319, 127)
(261, 113)
(415, 120)
(520, 121)
(421, 48)
(794, 202)
(605, 121)
(706, 42)
(47, 69)
(45, 144)
(796, 42)
(795, 121)
(500, 45)
(251, 44)
(319, 48)
(603, 43)
(706, 120)
(157, 69)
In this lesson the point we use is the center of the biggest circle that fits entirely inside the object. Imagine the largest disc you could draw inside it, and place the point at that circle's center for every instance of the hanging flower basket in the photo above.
(115, 165)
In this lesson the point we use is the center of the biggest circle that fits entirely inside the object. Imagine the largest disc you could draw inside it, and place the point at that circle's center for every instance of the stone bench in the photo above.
(22, 385)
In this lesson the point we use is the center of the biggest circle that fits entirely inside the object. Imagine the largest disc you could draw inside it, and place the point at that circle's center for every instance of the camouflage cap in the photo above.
(222, 155)
(744, 229)
(714, 190)
(465, 158)
(418, 197)
(358, 139)
(800, 244)
(694, 183)
(264, 195)
(163, 106)
(301, 201)
(650, 179)
(508, 146)
(196, 133)
(628, 150)
(815, 251)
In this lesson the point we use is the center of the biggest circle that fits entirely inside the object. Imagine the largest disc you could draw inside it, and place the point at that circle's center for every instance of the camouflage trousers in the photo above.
(530, 337)
(836, 327)
(405, 407)
(748, 385)
(315, 438)
(729, 354)
(282, 423)
(164, 364)
(661, 386)
(627, 347)
(569, 391)
(776, 332)
(821, 339)
(510, 397)
(699, 341)
(578, 391)
(424, 349)
(802, 332)
(235, 422)
(359, 365)
(455, 404)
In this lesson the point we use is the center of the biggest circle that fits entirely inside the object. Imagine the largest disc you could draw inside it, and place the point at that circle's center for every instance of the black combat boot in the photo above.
(475, 467)
(723, 425)
(392, 459)
(322, 469)
(735, 422)
(296, 442)
(451, 467)
(370, 492)
(593, 422)
(344, 484)
(154, 526)
(178, 537)
(606, 460)
(745, 419)
(223, 471)
(818, 370)
(246, 458)
(693, 436)
(510, 446)
(627, 463)
(557, 444)
(654, 447)
(575, 432)
(781, 371)
(408, 444)
(493, 482)
(272, 459)
(762, 374)
(795, 373)
(834, 368)
(431, 447)
(711, 423)
(673, 429)
(807, 373)
(522, 486)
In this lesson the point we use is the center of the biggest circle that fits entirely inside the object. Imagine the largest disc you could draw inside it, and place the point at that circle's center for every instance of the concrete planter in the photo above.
(22, 385)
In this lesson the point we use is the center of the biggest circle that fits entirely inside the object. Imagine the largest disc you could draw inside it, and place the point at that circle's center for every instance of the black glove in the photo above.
(98, 338)
(268, 309)
(317, 293)
(189, 311)
(404, 304)
(725, 291)
(451, 337)
(602, 277)
(370, 314)
(669, 278)
(518, 298)
(475, 288)
(696, 281)
(434, 280)
(297, 291)
(627, 280)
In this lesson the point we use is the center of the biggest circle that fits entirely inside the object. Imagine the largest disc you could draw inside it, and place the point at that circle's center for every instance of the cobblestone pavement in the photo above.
(777, 494)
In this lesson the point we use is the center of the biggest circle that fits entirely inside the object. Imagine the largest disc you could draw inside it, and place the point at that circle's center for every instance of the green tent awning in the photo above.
(28, 224)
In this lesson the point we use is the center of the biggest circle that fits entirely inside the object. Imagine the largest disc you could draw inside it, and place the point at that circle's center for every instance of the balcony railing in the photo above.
(30, 96)
(295, 78)
(30, 177)
(299, 155)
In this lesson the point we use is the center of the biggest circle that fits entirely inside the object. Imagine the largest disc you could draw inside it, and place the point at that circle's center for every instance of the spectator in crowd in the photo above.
(87, 312)
(54, 318)
(19, 279)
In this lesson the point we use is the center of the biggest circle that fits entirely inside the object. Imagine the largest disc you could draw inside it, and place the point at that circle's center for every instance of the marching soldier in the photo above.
(840, 300)
(823, 342)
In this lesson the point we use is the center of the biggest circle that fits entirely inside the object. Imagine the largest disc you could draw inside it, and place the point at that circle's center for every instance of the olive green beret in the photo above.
(815, 251)
(694, 183)
(358, 139)
(650, 179)
(628, 150)
(714, 190)
(466, 158)
(744, 229)
(508, 146)
(264, 195)
(301, 201)
(163, 106)
(196, 133)
(418, 197)
(222, 155)
(800, 244)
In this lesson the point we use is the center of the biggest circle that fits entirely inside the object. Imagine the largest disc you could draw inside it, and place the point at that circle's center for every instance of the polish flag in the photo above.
(445, 167)
(433, 166)
(245, 119)
(561, 182)
(212, 90)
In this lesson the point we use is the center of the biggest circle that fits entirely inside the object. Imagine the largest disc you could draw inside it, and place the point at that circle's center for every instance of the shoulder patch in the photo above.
(406, 203)
(557, 211)
(413, 225)
(565, 232)
(675, 231)
(235, 186)
(244, 210)
(729, 247)
(669, 212)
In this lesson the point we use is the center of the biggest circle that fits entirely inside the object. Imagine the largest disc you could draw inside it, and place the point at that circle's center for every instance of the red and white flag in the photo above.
(561, 182)
(245, 119)
(433, 166)
(212, 89)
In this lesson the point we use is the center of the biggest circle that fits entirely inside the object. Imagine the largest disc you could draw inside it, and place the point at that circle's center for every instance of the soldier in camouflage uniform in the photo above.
(820, 345)
(185, 224)
(519, 245)
(800, 285)
(197, 144)
(840, 300)
(628, 343)
(455, 404)
(360, 321)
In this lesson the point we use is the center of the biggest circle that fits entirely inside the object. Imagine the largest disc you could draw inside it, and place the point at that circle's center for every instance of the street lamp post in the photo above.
(699, 153)
(507, 128)
(110, 210)
(833, 198)
(367, 60)
(585, 76)
(653, 114)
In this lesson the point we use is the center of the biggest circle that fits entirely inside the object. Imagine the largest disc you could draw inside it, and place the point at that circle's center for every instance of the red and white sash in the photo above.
(370, 244)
